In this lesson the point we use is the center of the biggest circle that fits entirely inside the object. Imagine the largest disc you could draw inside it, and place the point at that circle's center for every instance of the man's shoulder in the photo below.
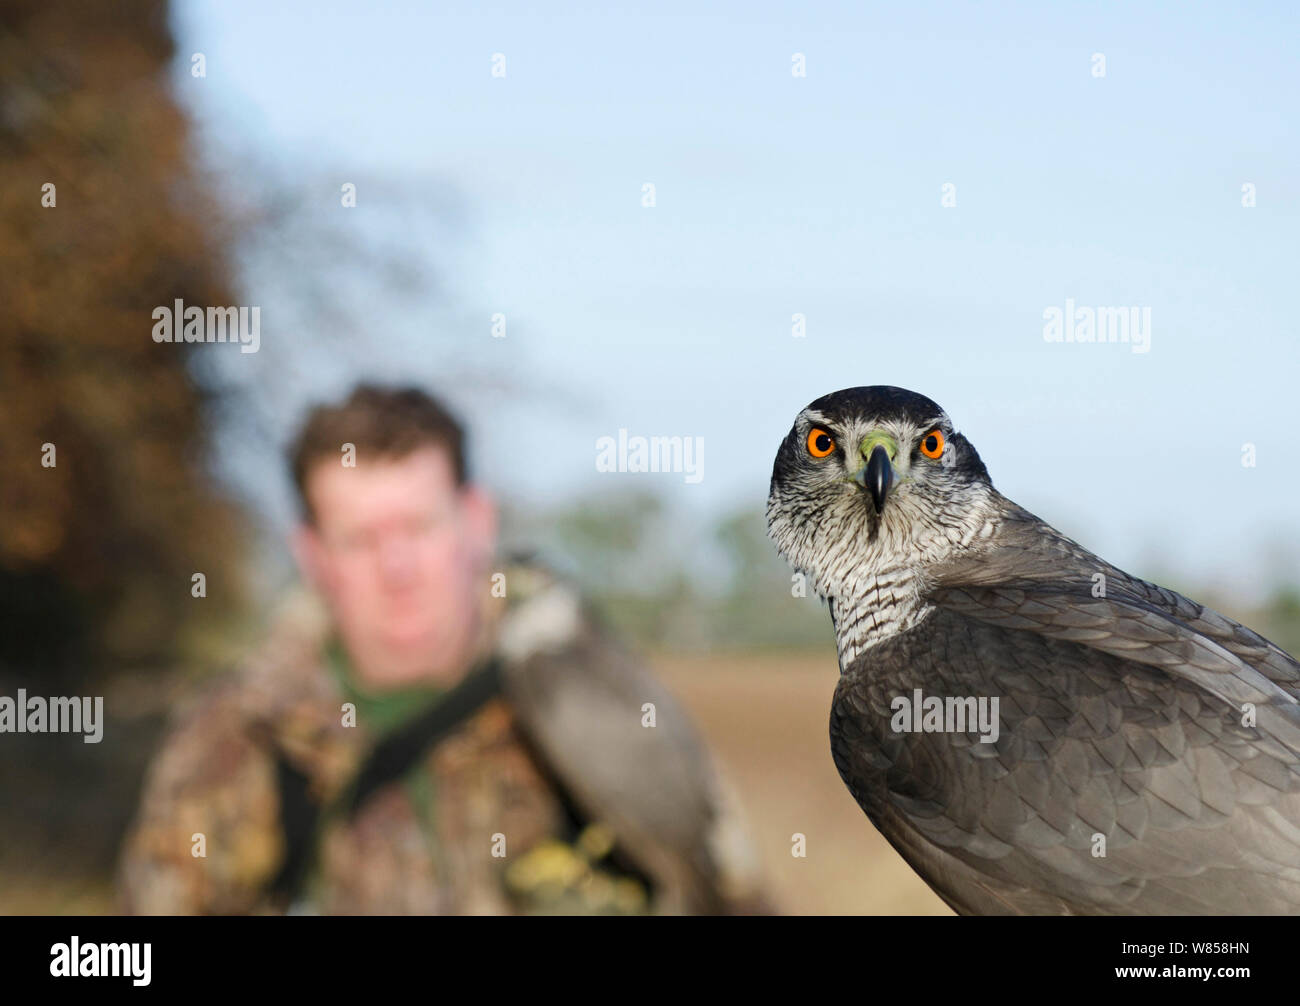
(286, 660)
(279, 696)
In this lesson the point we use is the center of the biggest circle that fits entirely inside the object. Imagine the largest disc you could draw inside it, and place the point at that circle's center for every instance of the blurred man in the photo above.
(444, 734)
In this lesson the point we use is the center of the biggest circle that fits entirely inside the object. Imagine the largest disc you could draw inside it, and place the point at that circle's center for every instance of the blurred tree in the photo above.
(669, 583)
(102, 219)
(760, 609)
(1280, 619)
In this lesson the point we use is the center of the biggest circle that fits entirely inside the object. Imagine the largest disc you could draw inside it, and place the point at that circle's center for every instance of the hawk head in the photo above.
(874, 480)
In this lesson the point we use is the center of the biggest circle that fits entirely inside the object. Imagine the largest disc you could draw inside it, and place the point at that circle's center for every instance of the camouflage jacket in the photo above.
(582, 788)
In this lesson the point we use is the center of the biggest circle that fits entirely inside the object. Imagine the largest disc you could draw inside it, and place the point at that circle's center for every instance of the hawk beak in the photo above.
(877, 476)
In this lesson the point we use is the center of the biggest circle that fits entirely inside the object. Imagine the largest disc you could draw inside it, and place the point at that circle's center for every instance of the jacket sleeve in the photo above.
(207, 838)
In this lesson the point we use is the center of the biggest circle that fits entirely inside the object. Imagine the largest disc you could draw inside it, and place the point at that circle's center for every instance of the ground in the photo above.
(766, 717)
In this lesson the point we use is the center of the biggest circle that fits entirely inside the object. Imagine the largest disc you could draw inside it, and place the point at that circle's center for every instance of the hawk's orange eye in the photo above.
(820, 443)
(932, 445)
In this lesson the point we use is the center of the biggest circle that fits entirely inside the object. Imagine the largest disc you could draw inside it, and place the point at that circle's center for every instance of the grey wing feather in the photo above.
(1121, 717)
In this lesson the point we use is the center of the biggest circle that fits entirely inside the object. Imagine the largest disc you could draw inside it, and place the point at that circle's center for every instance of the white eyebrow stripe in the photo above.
(859, 425)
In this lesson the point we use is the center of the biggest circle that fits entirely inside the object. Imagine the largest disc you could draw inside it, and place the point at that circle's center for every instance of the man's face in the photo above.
(399, 552)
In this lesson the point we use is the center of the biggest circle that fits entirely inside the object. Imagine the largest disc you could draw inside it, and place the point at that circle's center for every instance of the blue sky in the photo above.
(820, 195)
